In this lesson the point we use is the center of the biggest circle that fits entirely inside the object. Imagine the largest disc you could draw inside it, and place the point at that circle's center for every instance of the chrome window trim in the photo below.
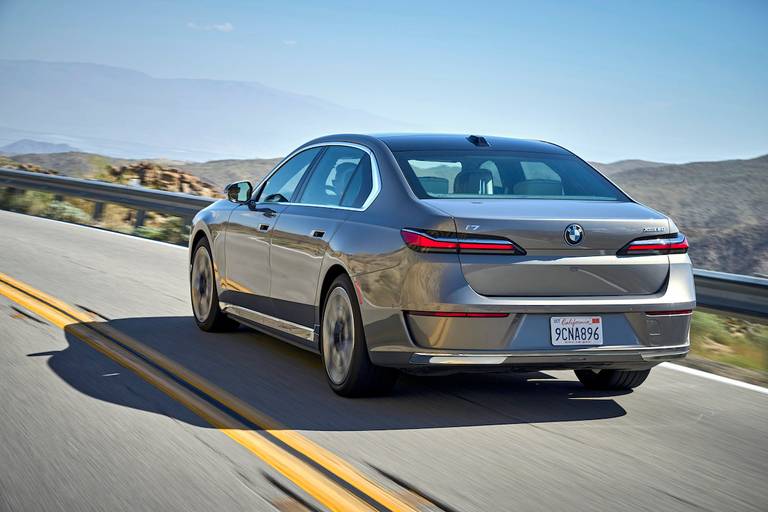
(375, 176)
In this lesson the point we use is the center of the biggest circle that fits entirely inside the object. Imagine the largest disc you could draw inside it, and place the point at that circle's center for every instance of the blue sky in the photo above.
(668, 81)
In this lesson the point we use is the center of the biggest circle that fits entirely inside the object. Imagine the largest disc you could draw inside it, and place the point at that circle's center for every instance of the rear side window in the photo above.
(503, 175)
(342, 177)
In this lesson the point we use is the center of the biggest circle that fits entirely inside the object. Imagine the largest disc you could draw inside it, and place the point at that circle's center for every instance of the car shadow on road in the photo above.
(288, 384)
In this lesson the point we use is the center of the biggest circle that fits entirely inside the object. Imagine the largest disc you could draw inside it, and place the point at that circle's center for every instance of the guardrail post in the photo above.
(98, 211)
(140, 217)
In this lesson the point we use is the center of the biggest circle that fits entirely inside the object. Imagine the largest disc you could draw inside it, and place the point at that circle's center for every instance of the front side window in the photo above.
(342, 177)
(281, 185)
(484, 174)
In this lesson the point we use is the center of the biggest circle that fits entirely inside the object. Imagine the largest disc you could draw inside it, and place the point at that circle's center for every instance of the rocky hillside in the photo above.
(150, 174)
(721, 206)
(222, 172)
(153, 175)
(625, 165)
(89, 165)
(78, 164)
(24, 166)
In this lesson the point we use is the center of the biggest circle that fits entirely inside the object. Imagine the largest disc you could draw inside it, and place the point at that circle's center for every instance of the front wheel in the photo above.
(344, 351)
(205, 298)
(612, 380)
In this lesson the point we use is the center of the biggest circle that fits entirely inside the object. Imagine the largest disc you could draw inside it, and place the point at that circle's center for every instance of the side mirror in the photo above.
(239, 192)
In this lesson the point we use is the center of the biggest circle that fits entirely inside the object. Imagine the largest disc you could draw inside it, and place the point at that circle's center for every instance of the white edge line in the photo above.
(712, 376)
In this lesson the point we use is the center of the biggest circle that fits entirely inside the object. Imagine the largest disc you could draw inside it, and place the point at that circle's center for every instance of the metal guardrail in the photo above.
(731, 293)
(100, 192)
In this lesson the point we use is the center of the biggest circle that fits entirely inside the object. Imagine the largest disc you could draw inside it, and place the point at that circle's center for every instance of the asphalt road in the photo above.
(78, 431)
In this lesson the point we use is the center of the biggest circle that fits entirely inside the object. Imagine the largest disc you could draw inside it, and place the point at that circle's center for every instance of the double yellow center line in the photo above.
(329, 479)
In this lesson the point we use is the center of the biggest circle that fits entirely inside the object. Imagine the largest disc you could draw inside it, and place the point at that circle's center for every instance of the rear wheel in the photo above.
(205, 298)
(612, 379)
(344, 351)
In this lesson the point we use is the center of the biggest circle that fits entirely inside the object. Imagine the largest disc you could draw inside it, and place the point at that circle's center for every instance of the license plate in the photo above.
(576, 330)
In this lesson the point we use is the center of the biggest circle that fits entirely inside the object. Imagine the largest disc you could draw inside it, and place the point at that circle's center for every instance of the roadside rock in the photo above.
(152, 175)
(7, 162)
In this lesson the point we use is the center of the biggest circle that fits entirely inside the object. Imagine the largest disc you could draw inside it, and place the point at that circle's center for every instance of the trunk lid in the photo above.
(552, 267)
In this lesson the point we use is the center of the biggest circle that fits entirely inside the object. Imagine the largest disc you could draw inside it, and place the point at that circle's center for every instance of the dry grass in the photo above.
(730, 340)
(729, 346)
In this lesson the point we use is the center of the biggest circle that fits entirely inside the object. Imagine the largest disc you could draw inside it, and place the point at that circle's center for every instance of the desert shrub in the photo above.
(30, 202)
(172, 230)
(61, 210)
(153, 232)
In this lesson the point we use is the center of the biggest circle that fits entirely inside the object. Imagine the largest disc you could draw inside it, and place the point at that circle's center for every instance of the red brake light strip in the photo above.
(424, 242)
(675, 245)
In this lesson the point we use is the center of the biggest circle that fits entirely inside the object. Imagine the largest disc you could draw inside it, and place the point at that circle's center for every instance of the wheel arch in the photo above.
(334, 271)
(199, 231)
(197, 237)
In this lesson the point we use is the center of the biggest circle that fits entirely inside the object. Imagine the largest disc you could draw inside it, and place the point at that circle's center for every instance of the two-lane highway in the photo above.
(83, 429)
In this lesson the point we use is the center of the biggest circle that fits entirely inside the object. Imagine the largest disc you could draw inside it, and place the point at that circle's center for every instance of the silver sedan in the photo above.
(455, 253)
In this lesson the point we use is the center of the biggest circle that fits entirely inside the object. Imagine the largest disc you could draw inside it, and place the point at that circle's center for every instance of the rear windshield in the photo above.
(503, 175)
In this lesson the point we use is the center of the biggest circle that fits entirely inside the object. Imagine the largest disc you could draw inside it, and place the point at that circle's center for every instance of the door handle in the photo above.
(318, 233)
(263, 227)
(266, 210)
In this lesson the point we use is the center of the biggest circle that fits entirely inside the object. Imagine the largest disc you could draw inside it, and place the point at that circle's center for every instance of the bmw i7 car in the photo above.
(423, 253)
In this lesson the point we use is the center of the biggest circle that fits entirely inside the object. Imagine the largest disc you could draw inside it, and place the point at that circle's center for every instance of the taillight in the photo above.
(435, 241)
(673, 244)
(421, 242)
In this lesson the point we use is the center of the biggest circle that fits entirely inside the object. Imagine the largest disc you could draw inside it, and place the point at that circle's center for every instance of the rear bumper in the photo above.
(632, 338)
(608, 357)
(630, 341)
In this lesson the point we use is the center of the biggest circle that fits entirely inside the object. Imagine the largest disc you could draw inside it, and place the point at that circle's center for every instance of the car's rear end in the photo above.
(540, 263)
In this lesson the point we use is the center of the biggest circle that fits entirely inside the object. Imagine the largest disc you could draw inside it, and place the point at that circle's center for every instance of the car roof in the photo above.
(429, 141)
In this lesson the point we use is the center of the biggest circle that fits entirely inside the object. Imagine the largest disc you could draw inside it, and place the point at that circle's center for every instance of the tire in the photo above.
(348, 367)
(612, 380)
(205, 298)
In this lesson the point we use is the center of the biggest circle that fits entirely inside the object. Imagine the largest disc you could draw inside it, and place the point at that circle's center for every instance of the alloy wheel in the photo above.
(338, 335)
(202, 284)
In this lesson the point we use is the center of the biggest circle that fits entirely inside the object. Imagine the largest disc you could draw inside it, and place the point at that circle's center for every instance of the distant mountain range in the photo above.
(26, 146)
(721, 206)
(125, 113)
